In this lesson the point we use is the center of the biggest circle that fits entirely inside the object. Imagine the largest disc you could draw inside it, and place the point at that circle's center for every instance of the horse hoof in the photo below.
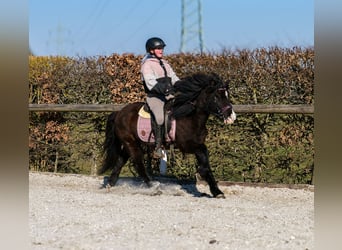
(148, 184)
(220, 196)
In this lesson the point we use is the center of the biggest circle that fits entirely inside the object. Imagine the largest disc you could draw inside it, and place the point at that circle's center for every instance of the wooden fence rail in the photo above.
(256, 108)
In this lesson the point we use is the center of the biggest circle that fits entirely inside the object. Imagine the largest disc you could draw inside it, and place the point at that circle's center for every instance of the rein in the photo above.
(225, 108)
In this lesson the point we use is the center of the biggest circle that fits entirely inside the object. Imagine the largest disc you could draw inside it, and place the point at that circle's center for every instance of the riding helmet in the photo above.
(154, 43)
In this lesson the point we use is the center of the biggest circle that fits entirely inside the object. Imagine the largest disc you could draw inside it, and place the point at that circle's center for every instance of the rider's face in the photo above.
(158, 52)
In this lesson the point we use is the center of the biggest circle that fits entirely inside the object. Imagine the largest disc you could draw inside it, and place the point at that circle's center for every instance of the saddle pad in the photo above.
(143, 113)
(144, 130)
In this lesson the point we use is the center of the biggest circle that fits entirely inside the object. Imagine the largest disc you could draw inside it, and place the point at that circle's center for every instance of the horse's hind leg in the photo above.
(205, 171)
(137, 156)
(121, 161)
(149, 170)
(140, 168)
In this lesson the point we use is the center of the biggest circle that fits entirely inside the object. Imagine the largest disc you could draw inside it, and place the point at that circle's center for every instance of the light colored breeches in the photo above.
(157, 108)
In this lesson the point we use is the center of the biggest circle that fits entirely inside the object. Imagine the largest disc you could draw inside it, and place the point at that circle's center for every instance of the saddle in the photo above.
(144, 127)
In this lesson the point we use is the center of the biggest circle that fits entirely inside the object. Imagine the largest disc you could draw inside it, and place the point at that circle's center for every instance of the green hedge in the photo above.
(275, 148)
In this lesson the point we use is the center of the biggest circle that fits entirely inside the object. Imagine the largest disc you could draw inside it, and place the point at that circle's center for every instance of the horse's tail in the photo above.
(110, 146)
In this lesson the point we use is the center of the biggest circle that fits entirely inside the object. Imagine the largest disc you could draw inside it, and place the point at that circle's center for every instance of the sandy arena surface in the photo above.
(72, 212)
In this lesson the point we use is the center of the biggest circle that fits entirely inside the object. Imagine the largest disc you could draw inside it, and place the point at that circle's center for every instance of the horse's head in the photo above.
(219, 103)
(208, 93)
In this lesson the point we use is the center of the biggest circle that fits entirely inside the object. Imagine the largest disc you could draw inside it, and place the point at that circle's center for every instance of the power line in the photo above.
(128, 13)
(147, 20)
(97, 15)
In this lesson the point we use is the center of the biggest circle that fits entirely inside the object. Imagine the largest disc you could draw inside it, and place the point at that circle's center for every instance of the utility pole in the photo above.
(59, 38)
(191, 31)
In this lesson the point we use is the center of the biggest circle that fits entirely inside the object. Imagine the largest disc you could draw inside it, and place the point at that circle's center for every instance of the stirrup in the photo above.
(158, 153)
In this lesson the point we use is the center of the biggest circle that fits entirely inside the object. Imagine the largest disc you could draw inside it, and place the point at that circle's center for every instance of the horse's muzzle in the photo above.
(230, 119)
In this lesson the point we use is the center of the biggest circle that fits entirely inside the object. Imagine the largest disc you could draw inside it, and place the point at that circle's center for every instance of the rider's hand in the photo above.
(169, 97)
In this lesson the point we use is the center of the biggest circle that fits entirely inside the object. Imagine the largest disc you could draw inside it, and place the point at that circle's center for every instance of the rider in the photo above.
(158, 78)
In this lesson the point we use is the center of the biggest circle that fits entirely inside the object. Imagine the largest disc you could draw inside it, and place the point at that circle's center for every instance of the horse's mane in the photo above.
(188, 89)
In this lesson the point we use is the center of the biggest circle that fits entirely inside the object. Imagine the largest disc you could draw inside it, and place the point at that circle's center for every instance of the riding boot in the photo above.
(158, 152)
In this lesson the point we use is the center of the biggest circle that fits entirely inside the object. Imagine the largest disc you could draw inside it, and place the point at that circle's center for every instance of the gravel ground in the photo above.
(73, 212)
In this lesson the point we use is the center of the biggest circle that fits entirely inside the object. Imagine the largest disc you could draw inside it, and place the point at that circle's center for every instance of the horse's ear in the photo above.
(216, 80)
(217, 83)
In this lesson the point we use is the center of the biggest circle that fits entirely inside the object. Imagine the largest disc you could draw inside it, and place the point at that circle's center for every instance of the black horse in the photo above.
(197, 97)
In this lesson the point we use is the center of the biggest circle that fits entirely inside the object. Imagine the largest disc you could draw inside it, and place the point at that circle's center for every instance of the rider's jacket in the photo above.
(157, 75)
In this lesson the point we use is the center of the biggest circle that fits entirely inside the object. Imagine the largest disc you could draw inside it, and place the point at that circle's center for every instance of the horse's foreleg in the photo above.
(205, 171)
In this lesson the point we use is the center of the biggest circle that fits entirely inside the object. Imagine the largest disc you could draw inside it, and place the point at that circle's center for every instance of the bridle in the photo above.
(220, 110)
